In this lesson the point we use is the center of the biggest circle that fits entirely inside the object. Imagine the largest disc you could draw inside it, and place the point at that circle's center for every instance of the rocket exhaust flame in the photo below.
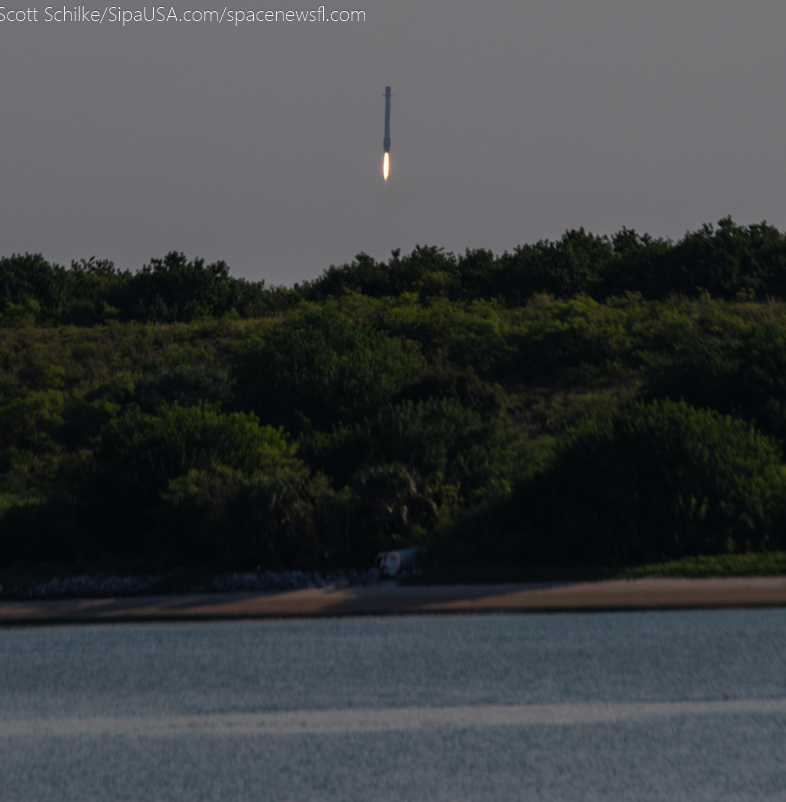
(386, 140)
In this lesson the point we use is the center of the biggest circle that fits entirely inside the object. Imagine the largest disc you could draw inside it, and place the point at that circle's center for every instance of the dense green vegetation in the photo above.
(588, 402)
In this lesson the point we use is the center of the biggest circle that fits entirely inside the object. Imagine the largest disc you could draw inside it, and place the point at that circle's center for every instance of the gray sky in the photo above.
(261, 144)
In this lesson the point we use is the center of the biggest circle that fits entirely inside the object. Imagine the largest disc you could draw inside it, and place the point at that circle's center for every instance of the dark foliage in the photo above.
(565, 403)
(324, 365)
(33, 291)
(728, 262)
(656, 482)
(745, 377)
(182, 385)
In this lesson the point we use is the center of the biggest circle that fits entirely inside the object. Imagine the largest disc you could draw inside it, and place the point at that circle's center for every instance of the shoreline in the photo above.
(618, 595)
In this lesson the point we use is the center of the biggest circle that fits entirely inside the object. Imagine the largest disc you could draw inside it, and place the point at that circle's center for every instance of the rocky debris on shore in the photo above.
(81, 586)
(292, 580)
(88, 586)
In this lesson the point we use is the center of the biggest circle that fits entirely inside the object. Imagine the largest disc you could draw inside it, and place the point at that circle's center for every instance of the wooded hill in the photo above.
(588, 401)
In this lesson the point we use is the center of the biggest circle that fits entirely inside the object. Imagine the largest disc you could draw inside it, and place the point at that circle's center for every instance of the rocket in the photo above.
(386, 140)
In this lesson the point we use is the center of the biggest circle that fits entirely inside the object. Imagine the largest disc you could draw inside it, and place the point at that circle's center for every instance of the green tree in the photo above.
(658, 481)
(323, 365)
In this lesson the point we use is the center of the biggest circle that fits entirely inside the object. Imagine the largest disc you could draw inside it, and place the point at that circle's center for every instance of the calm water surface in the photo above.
(399, 709)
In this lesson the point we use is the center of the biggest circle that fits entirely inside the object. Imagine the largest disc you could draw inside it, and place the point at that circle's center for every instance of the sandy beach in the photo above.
(390, 599)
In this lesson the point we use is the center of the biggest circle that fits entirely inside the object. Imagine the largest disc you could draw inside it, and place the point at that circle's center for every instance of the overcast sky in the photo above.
(512, 120)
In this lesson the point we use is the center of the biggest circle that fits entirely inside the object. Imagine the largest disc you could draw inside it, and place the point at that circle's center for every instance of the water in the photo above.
(640, 706)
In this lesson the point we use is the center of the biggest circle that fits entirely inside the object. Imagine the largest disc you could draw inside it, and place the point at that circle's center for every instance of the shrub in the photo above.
(140, 455)
(658, 481)
(324, 365)
(239, 520)
(745, 378)
(414, 467)
(182, 385)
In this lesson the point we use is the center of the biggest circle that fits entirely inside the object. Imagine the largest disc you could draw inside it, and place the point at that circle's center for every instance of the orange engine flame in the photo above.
(386, 166)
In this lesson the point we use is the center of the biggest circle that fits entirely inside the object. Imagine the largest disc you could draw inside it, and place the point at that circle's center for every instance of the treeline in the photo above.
(727, 261)
(36, 292)
(549, 428)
